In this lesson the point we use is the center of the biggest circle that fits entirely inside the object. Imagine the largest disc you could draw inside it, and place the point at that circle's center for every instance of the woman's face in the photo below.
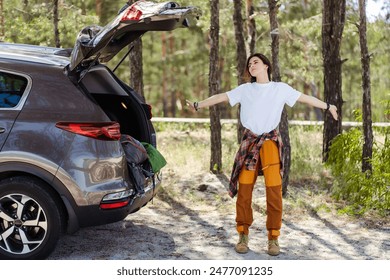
(256, 67)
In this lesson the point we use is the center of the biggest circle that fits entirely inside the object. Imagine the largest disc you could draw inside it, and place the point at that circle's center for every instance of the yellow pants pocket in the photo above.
(270, 161)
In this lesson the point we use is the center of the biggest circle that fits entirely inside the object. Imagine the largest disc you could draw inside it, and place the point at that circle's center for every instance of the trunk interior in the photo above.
(120, 106)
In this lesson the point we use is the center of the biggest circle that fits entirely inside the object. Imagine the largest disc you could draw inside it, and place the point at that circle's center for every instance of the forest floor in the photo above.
(193, 218)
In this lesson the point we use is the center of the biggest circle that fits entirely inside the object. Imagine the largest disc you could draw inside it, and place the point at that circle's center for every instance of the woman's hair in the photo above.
(265, 61)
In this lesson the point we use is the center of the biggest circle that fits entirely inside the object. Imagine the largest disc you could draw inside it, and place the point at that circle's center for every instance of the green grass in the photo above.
(187, 145)
(307, 168)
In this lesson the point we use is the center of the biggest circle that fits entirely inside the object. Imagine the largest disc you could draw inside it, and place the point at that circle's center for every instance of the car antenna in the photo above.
(123, 58)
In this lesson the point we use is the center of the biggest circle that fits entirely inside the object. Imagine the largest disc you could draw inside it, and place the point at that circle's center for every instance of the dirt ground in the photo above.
(193, 218)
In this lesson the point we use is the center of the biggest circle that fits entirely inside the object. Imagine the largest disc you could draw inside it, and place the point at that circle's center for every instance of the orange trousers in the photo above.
(270, 162)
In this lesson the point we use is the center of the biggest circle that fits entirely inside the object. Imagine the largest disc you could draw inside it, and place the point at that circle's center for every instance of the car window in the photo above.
(11, 89)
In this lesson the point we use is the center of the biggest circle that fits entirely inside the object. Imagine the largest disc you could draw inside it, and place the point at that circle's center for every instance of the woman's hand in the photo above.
(313, 101)
(211, 101)
(333, 111)
(191, 105)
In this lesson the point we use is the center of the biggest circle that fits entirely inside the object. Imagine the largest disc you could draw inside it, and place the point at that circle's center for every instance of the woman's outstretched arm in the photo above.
(311, 100)
(212, 100)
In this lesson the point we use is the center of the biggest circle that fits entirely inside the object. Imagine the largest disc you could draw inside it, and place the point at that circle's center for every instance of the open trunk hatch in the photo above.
(103, 43)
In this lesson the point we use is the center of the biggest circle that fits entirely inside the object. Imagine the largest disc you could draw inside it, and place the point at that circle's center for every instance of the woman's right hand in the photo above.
(191, 105)
(211, 101)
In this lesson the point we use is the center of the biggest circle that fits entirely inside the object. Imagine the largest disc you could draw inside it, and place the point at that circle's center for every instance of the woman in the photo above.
(262, 102)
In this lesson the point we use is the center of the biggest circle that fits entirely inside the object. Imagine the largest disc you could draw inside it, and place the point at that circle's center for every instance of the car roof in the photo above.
(35, 54)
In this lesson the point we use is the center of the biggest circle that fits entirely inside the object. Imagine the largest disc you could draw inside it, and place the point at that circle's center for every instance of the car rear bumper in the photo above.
(140, 201)
(95, 215)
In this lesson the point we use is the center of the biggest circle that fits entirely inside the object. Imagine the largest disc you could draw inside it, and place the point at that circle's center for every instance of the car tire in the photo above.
(30, 220)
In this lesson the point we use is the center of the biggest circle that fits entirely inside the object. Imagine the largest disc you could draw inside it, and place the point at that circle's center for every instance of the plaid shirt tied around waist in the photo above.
(248, 155)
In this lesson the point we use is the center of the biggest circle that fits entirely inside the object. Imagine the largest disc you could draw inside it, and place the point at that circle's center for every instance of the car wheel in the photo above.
(30, 221)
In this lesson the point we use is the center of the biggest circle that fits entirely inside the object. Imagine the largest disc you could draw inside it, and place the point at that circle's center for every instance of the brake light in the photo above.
(101, 130)
(132, 13)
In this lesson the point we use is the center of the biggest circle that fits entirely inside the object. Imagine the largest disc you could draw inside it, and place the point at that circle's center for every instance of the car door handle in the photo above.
(2, 129)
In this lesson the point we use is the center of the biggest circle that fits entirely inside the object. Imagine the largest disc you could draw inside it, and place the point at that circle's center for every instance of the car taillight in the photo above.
(98, 130)
(132, 13)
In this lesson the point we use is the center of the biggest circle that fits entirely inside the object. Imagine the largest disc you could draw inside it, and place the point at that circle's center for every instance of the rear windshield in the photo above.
(11, 89)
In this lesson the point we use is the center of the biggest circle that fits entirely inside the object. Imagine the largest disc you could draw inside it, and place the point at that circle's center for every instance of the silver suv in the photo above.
(62, 113)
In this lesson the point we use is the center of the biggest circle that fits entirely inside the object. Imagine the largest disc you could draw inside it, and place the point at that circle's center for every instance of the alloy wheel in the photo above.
(23, 224)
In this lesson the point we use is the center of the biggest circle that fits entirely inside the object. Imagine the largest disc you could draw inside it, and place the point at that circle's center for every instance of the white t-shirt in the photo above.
(262, 104)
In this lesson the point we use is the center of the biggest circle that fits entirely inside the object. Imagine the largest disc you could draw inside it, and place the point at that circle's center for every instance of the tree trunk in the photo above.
(2, 30)
(367, 120)
(283, 126)
(251, 25)
(136, 68)
(164, 76)
(98, 8)
(240, 56)
(26, 14)
(216, 146)
(172, 78)
(55, 24)
(333, 18)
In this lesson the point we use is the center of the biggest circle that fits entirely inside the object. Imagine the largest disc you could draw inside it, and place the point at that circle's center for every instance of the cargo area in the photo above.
(120, 103)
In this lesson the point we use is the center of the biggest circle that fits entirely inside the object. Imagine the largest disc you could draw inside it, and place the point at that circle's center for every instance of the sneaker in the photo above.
(242, 245)
(273, 247)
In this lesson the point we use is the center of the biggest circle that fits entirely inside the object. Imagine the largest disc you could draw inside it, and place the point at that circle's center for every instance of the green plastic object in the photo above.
(156, 159)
